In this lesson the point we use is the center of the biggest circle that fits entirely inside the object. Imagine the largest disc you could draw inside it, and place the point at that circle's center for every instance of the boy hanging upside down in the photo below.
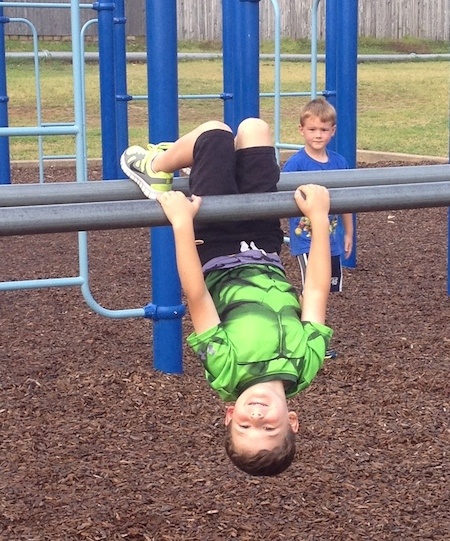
(258, 347)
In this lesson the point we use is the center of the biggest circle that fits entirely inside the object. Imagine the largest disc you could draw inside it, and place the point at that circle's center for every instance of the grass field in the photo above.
(402, 107)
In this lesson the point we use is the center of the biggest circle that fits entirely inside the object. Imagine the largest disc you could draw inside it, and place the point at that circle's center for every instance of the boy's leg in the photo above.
(181, 153)
(336, 271)
(335, 286)
(213, 172)
(256, 164)
(302, 262)
(152, 168)
(257, 171)
(336, 274)
(253, 132)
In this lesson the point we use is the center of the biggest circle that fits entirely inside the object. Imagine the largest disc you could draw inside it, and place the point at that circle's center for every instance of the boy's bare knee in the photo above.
(253, 124)
(214, 125)
(253, 132)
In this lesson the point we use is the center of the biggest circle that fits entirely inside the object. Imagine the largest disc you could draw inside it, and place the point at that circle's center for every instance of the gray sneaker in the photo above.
(136, 163)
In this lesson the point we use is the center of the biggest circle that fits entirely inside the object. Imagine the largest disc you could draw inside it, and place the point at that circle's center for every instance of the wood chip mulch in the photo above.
(97, 445)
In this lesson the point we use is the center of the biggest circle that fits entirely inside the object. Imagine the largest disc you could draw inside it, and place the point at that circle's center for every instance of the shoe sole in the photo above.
(145, 188)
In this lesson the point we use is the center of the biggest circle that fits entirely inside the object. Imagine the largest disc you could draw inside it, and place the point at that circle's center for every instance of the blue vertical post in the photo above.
(5, 171)
(346, 78)
(122, 97)
(330, 57)
(110, 159)
(242, 57)
(162, 77)
(346, 89)
(448, 236)
(78, 94)
(228, 50)
(448, 252)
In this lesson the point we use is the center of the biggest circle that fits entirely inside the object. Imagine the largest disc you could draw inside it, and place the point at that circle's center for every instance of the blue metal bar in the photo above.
(43, 5)
(182, 97)
(41, 283)
(81, 157)
(346, 79)
(110, 159)
(448, 252)
(162, 80)
(331, 30)
(85, 290)
(314, 43)
(240, 60)
(78, 93)
(277, 94)
(155, 312)
(346, 92)
(105, 35)
(246, 60)
(229, 50)
(277, 77)
(54, 157)
(37, 83)
(142, 57)
(331, 63)
(120, 75)
(226, 96)
(285, 94)
(83, 90)
(38, 130)
(5, 171)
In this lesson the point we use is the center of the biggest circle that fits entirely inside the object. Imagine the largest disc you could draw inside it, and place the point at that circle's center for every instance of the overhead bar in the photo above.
(26, 220)
(124, 190)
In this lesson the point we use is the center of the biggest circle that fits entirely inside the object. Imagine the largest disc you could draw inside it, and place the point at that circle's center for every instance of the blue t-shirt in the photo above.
(300, 227)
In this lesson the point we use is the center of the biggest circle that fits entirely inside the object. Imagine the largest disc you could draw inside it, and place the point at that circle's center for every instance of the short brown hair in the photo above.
(320, 108)
(266, 462)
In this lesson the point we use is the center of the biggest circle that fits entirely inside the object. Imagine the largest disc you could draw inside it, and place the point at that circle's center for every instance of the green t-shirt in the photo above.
(260, 337)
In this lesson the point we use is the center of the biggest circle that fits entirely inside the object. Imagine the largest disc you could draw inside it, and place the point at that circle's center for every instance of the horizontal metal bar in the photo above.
(124, 190)
(51, 5)
(142, 56)
(378, 176)
(40, 130)
(41, 283)
(27, 220)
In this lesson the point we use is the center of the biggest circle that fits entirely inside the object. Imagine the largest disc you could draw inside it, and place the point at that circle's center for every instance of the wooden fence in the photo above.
(202, 19)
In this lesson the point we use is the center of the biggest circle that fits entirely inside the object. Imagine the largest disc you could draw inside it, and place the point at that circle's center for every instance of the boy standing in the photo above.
(318, 126)
(257, 346)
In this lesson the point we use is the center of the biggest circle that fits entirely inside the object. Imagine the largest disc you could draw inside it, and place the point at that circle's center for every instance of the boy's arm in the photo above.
(181, 211)
(314, 202)
(347, 221)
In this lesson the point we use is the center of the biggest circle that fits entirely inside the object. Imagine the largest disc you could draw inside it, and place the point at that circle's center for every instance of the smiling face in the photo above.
(260, 418)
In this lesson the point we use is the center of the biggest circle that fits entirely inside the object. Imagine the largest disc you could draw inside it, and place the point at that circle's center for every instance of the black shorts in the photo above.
(219, 169)
(336, 271)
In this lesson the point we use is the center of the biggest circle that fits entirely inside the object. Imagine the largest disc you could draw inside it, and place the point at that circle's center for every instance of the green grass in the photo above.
(288, 46)
(402, 107)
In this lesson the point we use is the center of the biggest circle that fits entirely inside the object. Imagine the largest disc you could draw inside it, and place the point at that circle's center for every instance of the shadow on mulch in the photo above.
(97, 445)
